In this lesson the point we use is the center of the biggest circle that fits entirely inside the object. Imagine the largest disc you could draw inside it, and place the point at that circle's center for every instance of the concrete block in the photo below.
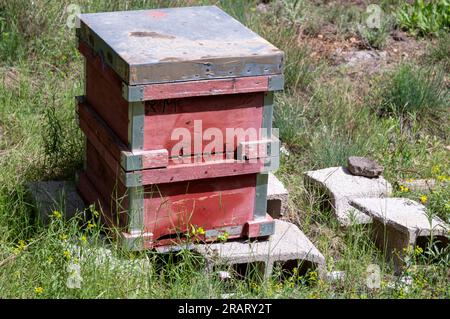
(400, 222)
(277, 197)
(288, 247)
(55, 195)
(341, 187)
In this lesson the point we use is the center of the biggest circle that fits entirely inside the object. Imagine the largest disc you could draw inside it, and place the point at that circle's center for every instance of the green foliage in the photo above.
(414, 91)
(440, 53)
(376, 38)
(425, 17)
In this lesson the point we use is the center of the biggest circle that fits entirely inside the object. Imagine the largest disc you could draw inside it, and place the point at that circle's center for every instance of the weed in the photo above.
(425, 17)
(414, 91)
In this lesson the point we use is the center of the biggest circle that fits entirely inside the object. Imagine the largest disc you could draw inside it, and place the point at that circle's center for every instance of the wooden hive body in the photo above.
(148, 183)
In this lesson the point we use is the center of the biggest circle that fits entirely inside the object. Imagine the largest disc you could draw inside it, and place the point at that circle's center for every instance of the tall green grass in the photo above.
(420, 91)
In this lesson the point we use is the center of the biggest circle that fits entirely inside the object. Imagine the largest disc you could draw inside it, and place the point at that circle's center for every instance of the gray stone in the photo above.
(341, 187)
(277, 197)
(363, 166)
(334, 276)
(288, 248)
(398, 36)
(361, 58)
(55, 195)
(399, 223)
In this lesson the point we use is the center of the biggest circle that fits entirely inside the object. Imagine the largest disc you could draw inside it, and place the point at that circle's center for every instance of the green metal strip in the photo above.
(267, 229)
(261, 196)
(267, 115)
(133, 93)
(136, 116)
(276, 82)
(131, 179)
(136, 208)
(131, 162)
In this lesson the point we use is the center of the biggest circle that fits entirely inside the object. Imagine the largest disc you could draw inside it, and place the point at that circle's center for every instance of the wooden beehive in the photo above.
(152, 72)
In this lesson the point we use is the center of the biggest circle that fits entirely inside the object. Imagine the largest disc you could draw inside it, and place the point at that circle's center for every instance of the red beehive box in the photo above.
(177, 115)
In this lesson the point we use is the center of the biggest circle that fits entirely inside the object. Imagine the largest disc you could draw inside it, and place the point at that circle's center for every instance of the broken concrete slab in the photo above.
(399, 223)
(277, 197)
(363, 166)
(341, 187)
(55, 195)
(288, 247)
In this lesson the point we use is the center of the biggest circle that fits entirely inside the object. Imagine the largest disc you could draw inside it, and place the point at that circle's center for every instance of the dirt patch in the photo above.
(351, 58)
(11, 79)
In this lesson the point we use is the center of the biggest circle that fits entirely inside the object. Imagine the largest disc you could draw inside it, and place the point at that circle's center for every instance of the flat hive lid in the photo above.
(178, 44)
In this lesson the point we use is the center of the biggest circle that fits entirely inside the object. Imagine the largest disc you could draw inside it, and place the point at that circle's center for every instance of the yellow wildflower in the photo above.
(90, 225)
(436, 169)
(93, 210)
(313, 276)
(38, 290)
(224, 236)
(418, 250)
(200, 231)
(424, 199)
(63, 237)
(442, 178)
(22, 245)
(67, 254)
(83, 239)
(404, 189)
(57, 214)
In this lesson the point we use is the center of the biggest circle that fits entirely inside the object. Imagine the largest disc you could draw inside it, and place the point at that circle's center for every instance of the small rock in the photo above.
(224, 275)
(284, 150)
(335, 276)
(398, 36)
(363, 166)
(362, 57)
(262, 7)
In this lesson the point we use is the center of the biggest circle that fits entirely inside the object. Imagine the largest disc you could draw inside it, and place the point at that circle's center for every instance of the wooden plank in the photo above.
(106, 99)
(192, 171)
(209, 203)
(215, 112)
(98, 132)
(205, 87)
(99, 65)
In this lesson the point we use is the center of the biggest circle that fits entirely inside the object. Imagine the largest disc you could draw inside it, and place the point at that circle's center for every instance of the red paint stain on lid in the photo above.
(157, 14)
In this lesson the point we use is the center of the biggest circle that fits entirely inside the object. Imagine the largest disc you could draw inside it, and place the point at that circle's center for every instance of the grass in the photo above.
(424, 18)
(323, 117)
(413, 91)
